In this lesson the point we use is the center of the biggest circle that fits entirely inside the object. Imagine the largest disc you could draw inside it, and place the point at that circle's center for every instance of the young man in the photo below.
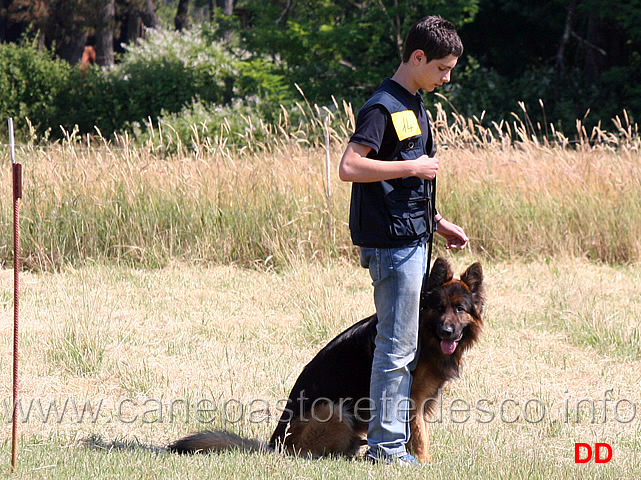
(390, 160)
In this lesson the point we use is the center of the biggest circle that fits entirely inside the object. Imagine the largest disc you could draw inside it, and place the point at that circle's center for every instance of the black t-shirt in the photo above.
(374, 126)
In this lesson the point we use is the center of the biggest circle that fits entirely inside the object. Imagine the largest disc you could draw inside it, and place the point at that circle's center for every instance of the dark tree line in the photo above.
(105, 24)
(68, 26)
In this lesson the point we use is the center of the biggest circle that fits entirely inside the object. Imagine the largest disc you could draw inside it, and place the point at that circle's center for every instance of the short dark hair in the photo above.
(434, 35)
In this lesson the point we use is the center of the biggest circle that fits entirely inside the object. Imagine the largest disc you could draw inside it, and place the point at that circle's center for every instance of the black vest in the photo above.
(399, 212)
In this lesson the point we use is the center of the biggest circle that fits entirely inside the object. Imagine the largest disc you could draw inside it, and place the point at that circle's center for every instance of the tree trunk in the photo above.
(149, 16)
(228, 7)
(137, 21)
(560, 55)
(181, 21)
(72, 50)
(135, 27)
(105, 34)
(228, 11)
(603, 46)
(3, 20)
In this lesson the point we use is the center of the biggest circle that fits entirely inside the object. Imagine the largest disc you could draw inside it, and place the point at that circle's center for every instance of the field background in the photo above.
(155, 281)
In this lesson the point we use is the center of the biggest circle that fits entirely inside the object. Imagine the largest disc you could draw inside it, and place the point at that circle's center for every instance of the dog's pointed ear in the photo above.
(440, 274)
(473, 278)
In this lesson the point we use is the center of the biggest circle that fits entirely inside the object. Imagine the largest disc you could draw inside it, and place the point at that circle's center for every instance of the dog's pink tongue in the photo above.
(448, 346)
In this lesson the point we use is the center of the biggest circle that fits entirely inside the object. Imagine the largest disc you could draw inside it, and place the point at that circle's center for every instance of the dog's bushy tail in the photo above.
(216, 441)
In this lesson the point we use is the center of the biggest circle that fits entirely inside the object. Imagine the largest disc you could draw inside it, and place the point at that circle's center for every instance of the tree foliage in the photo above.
(341, 48)
(574, 55)
(570, 56)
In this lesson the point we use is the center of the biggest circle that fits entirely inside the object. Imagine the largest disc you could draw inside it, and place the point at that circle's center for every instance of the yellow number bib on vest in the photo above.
(405, 124)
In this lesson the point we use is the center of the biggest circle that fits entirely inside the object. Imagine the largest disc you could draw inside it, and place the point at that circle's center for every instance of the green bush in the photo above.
(92, 100)
(168, 71)
(30, 82)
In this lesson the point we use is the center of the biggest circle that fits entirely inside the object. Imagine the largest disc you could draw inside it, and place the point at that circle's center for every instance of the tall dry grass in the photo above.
(522, 191)
(262, 198)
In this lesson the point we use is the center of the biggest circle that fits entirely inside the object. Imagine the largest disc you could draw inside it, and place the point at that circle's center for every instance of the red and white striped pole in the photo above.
(17, 194)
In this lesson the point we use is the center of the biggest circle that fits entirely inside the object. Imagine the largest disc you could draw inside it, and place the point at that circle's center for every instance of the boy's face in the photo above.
(434, 73)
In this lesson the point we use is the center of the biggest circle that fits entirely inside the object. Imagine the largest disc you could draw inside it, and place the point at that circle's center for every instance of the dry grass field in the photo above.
(170, 292)
(116, 362)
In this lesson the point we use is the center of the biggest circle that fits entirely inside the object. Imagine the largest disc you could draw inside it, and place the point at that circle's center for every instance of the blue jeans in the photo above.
(397, 276)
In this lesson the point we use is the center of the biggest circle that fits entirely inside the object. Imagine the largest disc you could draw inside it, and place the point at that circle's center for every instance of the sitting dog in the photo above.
(327, 410)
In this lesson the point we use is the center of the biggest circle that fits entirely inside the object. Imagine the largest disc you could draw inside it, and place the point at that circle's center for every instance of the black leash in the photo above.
(432, 195)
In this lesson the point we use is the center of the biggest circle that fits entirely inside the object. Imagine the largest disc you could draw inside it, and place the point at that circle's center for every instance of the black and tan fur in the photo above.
(322, 415)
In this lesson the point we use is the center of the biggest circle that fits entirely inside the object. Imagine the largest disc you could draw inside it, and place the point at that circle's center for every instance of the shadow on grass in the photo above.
(96, 442)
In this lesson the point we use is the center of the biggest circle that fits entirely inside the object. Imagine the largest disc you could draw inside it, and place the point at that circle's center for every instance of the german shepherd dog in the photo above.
(327, 410)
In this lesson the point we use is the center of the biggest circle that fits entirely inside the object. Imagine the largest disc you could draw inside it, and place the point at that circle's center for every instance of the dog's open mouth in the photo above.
(448, 346)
